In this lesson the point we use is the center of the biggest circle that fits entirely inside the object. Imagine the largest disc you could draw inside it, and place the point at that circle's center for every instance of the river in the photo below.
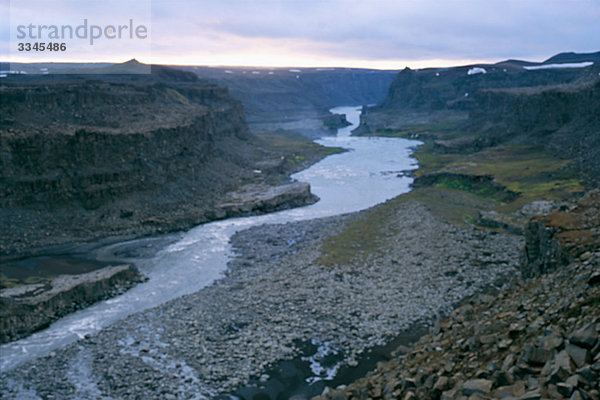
(370, 172)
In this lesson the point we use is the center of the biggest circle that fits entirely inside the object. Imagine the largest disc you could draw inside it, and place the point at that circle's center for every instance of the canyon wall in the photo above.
(90, 156)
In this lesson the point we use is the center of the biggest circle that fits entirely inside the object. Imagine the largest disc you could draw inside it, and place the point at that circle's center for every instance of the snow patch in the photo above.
(563, 65)
(476, 70)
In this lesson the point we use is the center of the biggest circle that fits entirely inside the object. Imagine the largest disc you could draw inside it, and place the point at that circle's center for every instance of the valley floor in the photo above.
(280, 292)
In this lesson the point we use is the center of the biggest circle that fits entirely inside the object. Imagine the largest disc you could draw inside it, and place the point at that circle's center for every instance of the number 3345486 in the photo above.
(51, 46)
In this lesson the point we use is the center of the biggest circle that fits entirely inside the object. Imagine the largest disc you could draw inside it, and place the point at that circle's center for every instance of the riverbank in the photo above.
(277, 293)
(502, 346)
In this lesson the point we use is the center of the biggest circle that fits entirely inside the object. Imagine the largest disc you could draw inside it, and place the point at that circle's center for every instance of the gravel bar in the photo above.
(273, 296)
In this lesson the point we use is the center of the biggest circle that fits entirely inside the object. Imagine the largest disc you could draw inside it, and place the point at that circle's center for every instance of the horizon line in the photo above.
(393, 66)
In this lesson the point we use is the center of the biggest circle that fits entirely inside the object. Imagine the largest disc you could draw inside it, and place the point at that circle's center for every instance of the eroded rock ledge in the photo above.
(259, 199)
(29, 308)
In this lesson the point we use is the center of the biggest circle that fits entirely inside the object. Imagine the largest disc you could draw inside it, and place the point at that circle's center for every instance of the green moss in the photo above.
(371, 232)
(531, 171)
(299, 150)
(6, 282)
(360, 237)
(35, 279)
(442, 129)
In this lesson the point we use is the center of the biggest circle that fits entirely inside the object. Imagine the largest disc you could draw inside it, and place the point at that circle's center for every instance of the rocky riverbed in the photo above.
(538, 339)
(275, 295)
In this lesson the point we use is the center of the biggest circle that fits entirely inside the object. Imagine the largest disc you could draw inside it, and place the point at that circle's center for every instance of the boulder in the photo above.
(481, 386)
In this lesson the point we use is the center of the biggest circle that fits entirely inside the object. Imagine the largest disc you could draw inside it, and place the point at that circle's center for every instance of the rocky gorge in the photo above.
(91, 155)
(513, 313)
(124, 155)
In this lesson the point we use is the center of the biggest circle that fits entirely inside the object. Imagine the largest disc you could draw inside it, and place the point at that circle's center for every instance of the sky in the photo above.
(388, 34)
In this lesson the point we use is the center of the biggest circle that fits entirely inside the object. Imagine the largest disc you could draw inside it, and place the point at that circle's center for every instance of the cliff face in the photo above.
(103, 145)
(105, 155)
(488, 105)
(565, 119)
(557, 239)
(435, 89)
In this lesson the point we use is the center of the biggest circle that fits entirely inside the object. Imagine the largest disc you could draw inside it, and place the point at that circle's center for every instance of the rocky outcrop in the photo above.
(515, 222)
(335, 121)
(558, 238)
(261, 199)
(28, 308)
(479, 184)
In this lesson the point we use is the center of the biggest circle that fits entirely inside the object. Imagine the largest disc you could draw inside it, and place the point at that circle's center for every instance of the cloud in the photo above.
(381, 31)
(391, 30)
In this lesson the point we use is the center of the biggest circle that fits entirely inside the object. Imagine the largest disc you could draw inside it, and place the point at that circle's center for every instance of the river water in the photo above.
(370, 172)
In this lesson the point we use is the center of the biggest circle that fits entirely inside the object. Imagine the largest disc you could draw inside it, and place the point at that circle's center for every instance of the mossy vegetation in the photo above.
(361, 236)
(6, 282)
(300, 151)
(518, 175)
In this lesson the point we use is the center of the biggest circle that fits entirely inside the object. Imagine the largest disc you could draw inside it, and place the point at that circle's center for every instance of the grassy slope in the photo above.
(532, 172)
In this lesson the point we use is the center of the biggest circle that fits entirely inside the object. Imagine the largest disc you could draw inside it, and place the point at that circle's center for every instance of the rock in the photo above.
(333, 394)
(564, 389)
(442, 384)
(556, 239)
(579, 355)
(515, 390)
(536, 356)
(552, 342)
(409, 396)
(516, 329)
(574, 381)
(588, 374)
(259, 199)
(594, 278)
(482, 386)
(562, 368)
(531, 395)
(585, 337)
(576, 396)
(488, 339)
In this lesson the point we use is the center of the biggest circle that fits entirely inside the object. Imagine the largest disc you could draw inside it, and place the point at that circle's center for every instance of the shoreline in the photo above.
(272, 295)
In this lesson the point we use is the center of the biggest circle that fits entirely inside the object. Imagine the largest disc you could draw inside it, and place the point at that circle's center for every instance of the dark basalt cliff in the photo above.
(123, 154)
(435, 89)
(558, 108)
(563, 118)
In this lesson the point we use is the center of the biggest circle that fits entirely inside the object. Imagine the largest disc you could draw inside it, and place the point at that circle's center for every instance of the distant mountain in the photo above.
(574, 58)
